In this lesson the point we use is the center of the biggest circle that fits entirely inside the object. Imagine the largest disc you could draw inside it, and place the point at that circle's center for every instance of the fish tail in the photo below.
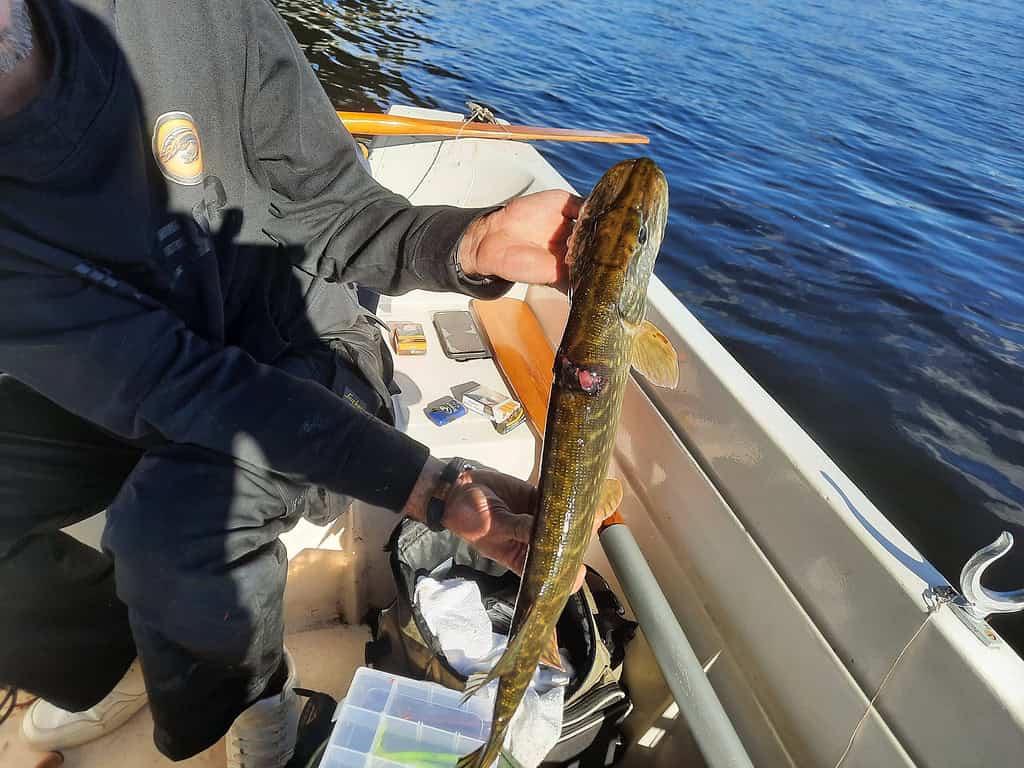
(482, 757)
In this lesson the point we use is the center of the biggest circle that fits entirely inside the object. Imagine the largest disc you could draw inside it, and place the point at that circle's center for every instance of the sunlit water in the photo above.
(847, 184)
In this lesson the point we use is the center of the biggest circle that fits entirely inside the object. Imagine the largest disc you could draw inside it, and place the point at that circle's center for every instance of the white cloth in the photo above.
(455, 614)
(448, 608)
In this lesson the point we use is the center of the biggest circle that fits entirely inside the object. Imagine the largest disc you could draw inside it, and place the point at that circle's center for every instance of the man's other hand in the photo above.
(493, 513)
(523, 242)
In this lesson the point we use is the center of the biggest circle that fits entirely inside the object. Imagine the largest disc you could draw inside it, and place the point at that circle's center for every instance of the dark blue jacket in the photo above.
(177, 217)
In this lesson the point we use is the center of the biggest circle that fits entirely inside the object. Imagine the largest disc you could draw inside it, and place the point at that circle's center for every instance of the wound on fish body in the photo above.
(588, 380)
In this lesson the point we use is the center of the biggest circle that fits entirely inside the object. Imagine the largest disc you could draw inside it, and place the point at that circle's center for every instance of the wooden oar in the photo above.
(522, 352)
(376, 124)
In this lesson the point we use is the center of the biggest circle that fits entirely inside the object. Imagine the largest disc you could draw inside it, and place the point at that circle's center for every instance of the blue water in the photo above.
(847, 184)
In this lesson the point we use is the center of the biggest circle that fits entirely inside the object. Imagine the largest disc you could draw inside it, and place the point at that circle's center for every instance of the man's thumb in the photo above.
(515, 527)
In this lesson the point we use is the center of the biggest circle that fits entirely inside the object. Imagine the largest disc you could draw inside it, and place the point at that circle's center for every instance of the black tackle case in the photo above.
(592, 631)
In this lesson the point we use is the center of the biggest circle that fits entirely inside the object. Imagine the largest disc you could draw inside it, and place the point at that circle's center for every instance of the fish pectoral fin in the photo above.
(655, 357)
(550, 657)
(610, 500)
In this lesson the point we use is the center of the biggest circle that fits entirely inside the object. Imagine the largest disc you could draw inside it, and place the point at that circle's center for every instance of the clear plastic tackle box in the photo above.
(388, 721)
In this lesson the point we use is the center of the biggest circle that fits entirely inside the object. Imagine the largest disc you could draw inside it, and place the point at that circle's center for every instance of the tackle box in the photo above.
(387, 721)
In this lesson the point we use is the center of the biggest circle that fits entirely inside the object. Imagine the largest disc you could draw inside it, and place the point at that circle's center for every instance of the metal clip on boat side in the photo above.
(979, 601)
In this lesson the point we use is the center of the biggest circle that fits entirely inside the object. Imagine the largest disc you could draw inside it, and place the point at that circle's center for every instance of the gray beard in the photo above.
(16, 41)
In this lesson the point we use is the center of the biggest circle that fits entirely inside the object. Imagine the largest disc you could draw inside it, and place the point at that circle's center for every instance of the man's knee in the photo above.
(211, 606)
(194, 560)
(185, 511)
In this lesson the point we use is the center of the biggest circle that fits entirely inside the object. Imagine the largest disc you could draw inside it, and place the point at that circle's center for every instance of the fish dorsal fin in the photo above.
(550, 657)
(655, 357)
(611, 498)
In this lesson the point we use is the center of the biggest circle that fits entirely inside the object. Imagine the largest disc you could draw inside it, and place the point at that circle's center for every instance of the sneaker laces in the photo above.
(8, 703)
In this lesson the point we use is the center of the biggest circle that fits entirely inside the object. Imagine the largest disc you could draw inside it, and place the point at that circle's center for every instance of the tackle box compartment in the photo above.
(388, 721)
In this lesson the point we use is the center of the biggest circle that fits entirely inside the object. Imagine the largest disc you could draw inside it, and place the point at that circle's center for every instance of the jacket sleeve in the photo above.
(353, 229)
(123, 362)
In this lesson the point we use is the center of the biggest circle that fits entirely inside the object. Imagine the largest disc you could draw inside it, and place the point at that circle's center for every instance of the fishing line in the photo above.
(437, 154)
(932, 610)
(473, 166)
(430, 166)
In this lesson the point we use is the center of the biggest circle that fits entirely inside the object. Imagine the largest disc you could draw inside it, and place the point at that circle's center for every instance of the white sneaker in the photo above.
(47, 727)
(263, 736)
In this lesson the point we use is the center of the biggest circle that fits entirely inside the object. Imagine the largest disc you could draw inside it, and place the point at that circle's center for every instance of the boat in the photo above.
(828, 639)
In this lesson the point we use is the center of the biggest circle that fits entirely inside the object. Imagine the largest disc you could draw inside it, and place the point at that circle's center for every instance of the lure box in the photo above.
(408, 338)
(487, 402)
(387, 721)
(444, 410)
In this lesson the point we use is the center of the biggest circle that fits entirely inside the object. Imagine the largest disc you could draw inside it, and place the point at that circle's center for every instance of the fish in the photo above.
(611, 254)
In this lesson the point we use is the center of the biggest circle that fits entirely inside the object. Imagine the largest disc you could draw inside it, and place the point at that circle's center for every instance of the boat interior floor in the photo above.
(326, 658)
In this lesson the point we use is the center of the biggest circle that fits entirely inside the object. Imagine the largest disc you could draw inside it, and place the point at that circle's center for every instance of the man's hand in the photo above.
(523, 242)
(494, 513)
(490, 510)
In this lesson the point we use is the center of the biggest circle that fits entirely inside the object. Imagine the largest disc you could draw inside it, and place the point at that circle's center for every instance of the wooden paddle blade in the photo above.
(377, 124)
(522, 352)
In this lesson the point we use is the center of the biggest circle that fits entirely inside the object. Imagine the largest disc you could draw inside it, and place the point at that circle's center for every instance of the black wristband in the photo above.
(479, 286)
(435, 507)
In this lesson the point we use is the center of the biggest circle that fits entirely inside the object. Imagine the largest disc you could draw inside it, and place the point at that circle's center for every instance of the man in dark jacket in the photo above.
(181, 219)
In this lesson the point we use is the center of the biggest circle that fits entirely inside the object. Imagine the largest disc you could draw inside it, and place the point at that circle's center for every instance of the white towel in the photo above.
(455, 614)
(448, 608)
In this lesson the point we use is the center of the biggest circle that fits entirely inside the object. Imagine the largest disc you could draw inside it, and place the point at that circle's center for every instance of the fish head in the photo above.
(619, 232)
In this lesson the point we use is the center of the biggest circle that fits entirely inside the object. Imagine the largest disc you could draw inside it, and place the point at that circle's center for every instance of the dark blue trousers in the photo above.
(191, 578)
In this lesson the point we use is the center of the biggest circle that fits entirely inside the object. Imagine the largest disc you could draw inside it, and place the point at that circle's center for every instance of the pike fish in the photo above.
(611, 257)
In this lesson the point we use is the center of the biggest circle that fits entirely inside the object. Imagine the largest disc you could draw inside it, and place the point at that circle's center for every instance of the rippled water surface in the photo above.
(847, 185)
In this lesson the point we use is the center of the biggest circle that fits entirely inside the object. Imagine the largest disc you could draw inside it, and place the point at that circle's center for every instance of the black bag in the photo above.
(592, 630)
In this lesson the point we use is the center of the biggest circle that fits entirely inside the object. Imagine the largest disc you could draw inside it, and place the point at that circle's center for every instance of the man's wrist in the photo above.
(423, 489)
(438, 503)
(465, 251)
(463, 265)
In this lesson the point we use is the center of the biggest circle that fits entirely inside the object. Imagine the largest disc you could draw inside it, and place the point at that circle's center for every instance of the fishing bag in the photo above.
(592, 631)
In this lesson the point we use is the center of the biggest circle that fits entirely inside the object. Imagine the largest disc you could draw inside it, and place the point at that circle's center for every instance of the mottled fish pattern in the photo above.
(611, 255)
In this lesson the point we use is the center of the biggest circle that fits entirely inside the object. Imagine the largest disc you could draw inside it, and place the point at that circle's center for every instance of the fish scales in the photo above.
(611, 255)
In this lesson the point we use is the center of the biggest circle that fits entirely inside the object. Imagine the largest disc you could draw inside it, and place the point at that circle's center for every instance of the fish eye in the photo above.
(642, 235)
